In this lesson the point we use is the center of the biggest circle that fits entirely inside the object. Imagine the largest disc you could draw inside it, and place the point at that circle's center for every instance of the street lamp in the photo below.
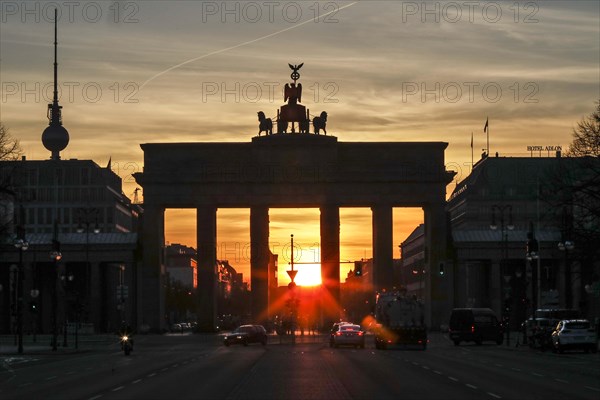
(65, 279)
(55, 256)
(34, 310)
(86, 215)
(420, 272)
(504, 228)
(22, 245)
(292, 286)
(566, 245)
(533, 254)
(122, 293)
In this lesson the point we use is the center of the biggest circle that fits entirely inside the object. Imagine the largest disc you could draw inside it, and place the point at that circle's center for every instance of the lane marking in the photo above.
(561, 380)
(136, 381)
(499, 365)
(516, 369)
(25, 384)
(437, 372)
(118, 388)
(151, 375)
(494, 395)
(425, 367)
(95, 397)
(453, 378)
(592, 388)
(536, 374)
(50, 378)
(470, 386)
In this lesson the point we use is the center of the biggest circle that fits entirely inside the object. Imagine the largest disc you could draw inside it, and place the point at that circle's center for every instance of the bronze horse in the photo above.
(265, 124)
(320, 123)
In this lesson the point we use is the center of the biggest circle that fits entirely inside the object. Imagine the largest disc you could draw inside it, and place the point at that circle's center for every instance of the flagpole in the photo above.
(488, 136)
(471, 150)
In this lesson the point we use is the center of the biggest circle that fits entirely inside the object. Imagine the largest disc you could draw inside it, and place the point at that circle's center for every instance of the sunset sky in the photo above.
(136, 72)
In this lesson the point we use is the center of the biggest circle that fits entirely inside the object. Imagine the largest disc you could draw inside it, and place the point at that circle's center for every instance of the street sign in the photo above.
(292, 274)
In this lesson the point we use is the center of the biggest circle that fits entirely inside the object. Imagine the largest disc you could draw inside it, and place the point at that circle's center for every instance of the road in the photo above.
(196, 366)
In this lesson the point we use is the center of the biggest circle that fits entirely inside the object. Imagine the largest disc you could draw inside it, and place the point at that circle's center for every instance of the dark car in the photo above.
(474, 325)
(245, 335)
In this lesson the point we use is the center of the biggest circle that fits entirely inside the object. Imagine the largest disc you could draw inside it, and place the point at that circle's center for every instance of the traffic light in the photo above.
(358, 268)
(33, 307)
(441, 269)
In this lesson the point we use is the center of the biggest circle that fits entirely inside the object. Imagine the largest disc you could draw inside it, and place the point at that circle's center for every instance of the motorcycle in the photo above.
(126, 344)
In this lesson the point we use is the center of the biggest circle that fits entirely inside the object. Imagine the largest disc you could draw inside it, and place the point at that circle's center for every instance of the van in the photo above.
(474, 325)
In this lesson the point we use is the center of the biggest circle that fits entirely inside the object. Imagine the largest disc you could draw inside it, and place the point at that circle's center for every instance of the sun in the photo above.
(308, 274)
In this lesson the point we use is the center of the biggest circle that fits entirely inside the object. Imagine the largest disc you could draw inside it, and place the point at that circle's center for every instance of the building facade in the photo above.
(510, 220)
(75, 208)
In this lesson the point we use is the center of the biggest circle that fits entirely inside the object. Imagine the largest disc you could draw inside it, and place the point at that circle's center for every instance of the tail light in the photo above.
(360, 333)
(338, 334)
(472, 328)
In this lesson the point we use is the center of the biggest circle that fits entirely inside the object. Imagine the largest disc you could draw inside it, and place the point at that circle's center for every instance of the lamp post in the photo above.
(22, 245)
(55, 256)
(292, 286)
(65, 280)
(504, 228)
(34, 310)
(566, 245)
(121, 293)
(533, 254)
(86, 215)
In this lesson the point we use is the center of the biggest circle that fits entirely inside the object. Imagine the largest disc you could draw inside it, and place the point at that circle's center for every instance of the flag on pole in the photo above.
(485, 127)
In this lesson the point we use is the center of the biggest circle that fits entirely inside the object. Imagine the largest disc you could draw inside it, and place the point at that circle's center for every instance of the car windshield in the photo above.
(244, 329)
(577, 325)
(350, 328)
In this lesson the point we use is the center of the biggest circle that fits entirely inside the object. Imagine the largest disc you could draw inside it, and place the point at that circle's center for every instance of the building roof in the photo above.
(498, 173)
(416, 233)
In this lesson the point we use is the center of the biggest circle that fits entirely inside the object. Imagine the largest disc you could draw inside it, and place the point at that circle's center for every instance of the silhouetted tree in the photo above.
(586, 137)
(10, 150)
(574, 194)
(9, 146)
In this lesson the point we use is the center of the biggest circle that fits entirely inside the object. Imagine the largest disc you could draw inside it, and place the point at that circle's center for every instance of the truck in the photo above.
(400, 321)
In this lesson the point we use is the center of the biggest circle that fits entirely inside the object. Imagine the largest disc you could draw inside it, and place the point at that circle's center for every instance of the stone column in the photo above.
(438, 289)
(383, 248)
(259, 263)
(152, 295)
(206, 239)
(330, 264)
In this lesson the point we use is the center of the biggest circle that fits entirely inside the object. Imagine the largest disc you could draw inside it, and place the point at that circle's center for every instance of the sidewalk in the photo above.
(42, 344)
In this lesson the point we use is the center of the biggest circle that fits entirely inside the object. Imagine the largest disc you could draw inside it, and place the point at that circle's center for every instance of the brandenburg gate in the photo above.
(291, 169)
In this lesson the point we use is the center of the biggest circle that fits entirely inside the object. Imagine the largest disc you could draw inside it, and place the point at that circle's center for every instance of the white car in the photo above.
(348, 335)
(574, 334)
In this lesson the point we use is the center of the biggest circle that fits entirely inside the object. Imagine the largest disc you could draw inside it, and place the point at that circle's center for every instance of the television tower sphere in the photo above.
(55, 138)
